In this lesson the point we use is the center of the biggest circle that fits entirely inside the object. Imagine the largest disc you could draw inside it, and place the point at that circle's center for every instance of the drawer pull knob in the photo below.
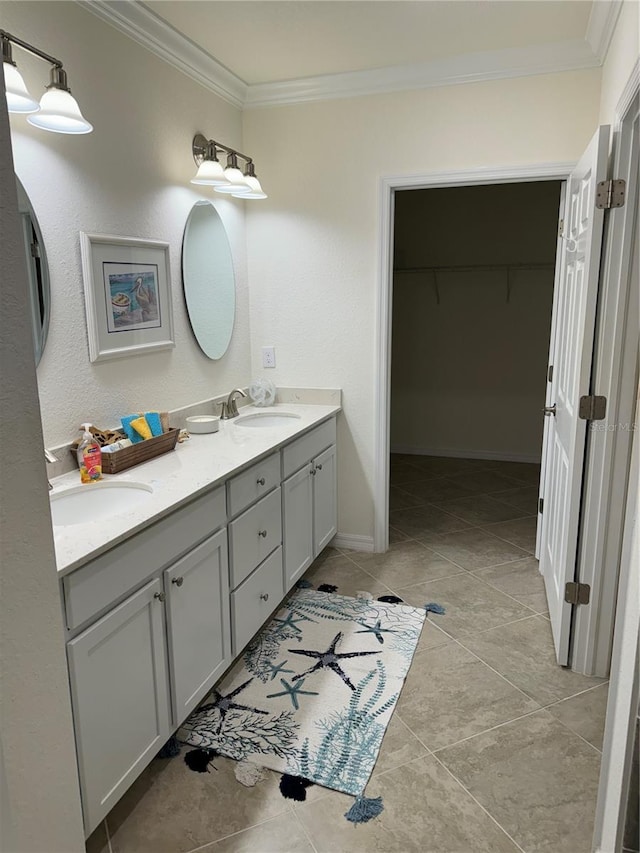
(260, 481)
(159, 595)
(319, 467)
(264, 596)
(177, 581)
(262, 533)
(313, 472)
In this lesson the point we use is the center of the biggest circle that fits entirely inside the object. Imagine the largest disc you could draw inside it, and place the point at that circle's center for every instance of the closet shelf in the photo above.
(507, 268)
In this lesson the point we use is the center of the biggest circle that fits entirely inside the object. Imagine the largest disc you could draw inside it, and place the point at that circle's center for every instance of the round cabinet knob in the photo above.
(318, 467)
(262, 533)
(177, 581)
(159, 595)
(313, 472)
(260, 481)
(264, 596)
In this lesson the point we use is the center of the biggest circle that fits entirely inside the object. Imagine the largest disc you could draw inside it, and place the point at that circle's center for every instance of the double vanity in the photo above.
(160, 599)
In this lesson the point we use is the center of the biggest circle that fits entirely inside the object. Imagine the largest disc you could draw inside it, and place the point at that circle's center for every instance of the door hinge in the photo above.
(577, 593)
(550, 373)
(610, 194)
(35, 250)
(540, 505)
(592, 408)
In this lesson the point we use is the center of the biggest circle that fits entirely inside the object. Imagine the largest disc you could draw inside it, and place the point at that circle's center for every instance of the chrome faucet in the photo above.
(50, 457)
(230, 407)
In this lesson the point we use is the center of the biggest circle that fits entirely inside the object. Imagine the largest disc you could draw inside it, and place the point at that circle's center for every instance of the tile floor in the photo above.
(493, 748)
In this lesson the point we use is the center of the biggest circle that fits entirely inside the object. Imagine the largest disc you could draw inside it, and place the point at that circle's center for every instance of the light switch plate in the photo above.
(268, 356)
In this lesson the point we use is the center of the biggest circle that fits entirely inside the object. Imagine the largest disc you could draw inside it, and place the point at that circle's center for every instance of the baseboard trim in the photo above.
(353, 542)
(492, 455)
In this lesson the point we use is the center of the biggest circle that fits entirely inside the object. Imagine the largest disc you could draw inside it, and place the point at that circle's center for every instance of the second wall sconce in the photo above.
(58, 110)
(230, 180)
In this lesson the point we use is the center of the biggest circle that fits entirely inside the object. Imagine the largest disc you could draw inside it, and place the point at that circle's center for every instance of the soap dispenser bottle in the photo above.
(89, 457)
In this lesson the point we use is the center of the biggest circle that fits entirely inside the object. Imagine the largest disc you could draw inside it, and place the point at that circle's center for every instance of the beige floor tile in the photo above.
(450, 695)
(538, 780)
(523, 652)
(396, 535)
(406, 563)
(470, 605)
(521, 532)
(399, 746)
(521, 580)
(414, 522)
(282, 834)
(584, 714)
(347, 576)
(171, 809)
(431, 635)
(483, 482)
(522, 497)
(524, 472)
(480, 509)
(436, 490)
(425, 811)
(445, 466)
(473, 549)
(400, 499)
(400, 473)
(97, 842)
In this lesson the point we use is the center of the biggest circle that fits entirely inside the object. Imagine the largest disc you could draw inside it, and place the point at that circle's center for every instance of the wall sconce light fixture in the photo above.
(58, 110)
(230, 180)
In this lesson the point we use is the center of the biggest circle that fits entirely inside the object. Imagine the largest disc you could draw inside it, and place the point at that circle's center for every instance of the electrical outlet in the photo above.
(268, 356)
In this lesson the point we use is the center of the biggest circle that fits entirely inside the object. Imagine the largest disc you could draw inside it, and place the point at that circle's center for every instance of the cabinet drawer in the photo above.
(254, 601)
(299, 452)
(254, 535)
(97, 585)
(253, 483)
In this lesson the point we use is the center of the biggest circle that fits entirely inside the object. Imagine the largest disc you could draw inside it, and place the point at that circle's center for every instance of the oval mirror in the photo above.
(37, 271)
(208, 280)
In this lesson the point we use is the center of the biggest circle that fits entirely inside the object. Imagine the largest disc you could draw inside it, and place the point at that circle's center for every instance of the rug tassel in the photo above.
(170, 749)
(364, 809)
(432, 607)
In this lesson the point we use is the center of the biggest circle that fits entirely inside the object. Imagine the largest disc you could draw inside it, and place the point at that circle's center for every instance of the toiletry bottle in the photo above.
(89, 457)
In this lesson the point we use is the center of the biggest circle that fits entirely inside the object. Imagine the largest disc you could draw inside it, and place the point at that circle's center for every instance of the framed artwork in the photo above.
(127, 290)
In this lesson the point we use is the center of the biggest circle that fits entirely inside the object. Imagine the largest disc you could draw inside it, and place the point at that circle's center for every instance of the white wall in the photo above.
(39, 796)
(468, 373)
(623, 53)
(129, 177)
(313, 246)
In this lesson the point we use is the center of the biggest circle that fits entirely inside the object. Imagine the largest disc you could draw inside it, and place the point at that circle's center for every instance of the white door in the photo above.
(572, 353)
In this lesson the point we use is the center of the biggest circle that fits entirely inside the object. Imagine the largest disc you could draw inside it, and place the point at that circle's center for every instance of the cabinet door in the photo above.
(120, 696)
(325, 501)
(297, 525)
(197, 588)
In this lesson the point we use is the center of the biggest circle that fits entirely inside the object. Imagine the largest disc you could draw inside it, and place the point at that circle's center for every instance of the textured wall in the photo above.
(129, 177)
(468, 374)
(313, 248)
(624, 52)
(40, 798)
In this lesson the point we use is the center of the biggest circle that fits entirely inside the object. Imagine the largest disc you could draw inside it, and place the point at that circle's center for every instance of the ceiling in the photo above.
(265, 41)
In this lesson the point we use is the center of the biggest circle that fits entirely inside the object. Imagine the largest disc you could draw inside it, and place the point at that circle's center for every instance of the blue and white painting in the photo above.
(131, 296)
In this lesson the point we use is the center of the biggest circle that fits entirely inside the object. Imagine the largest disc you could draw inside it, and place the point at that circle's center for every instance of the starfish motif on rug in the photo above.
(293, 691)
(278, 668)
(224, 704)
(290, 622)
(329, 659)
(376, 629)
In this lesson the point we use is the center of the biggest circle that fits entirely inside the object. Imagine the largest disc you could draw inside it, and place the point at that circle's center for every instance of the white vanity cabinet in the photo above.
(309, 502)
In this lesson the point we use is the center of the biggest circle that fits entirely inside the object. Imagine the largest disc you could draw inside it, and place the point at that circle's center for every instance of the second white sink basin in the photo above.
(266, 419)
(96, 501)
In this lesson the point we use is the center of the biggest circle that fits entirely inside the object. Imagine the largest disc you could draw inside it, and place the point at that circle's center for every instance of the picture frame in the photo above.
(127, 291)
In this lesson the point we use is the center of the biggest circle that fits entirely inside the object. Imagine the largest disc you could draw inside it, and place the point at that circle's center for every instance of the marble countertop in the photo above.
(193, 468)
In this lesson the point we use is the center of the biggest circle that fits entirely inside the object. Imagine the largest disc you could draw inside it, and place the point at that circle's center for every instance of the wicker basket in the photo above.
(143, 451)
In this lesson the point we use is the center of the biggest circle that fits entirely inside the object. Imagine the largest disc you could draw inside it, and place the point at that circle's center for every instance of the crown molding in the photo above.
(144, 26)
(469, 68)
(138, 22)
(602, 23)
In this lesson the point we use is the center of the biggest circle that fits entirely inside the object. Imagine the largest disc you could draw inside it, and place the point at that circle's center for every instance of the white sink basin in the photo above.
(266, 419)
(96, 501)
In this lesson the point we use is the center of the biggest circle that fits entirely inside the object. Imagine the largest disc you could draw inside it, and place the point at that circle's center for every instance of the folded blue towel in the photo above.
(155, 425)
(130, 432)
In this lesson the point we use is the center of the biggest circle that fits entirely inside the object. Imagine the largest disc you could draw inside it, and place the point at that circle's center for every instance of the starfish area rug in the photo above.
(313, 693)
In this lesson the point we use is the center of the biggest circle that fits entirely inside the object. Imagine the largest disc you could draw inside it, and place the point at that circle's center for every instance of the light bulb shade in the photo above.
(255, 190)
(235, 183)
(234, 175)
(60, 113)
(210, 173)
(18, 98)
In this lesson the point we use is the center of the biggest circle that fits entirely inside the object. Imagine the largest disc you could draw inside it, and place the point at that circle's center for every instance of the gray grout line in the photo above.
(239, 832)
(294, 812)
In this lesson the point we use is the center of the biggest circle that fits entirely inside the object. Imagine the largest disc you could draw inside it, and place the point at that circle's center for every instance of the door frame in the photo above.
(558, 171)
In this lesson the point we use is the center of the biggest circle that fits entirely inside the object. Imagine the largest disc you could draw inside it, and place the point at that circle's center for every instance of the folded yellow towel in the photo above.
(141, 427)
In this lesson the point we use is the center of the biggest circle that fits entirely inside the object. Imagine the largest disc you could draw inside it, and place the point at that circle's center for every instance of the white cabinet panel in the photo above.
(254, 601)
(300, 451)
(254, 535)
(253, 483)
(199, 634)
(119, 691)
(297, 525)
(325, 515)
